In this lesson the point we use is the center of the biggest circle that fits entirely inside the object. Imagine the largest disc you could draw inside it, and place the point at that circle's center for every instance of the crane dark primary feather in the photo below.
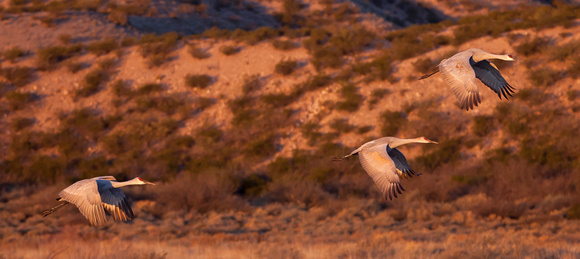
(400, 161)
(491, 77)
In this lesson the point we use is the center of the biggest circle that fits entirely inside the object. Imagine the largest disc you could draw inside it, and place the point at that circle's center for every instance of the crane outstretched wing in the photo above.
(459, 74)
(382, 170)
(400, 161)
(115, 202)
(488, 74)
(85, 195)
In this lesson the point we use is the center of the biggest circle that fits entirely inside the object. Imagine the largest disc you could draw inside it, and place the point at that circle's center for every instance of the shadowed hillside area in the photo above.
(236, 109)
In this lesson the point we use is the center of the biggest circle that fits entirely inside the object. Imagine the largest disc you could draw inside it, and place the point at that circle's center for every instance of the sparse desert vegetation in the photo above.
(237, 125)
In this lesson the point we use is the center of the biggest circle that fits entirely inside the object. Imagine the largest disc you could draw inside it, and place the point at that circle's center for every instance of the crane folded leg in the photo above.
(51, 210)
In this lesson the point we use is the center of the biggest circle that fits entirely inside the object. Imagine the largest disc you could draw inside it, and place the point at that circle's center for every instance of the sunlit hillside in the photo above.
(236, 109)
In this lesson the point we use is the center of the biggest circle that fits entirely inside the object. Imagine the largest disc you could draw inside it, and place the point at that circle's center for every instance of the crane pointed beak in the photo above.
(146, 182)
(431, 141)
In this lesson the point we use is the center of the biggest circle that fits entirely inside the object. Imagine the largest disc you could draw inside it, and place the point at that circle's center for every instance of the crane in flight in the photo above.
(460, 72)
(95, 196)
(382, 160)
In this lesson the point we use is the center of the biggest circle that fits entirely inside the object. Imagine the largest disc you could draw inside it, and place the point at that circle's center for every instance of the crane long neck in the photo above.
(401, 141)
(481, 56)
(125, 183)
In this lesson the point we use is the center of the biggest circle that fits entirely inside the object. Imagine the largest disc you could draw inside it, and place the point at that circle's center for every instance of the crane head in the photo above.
(141, 181)
(509, 57)
(426, 140)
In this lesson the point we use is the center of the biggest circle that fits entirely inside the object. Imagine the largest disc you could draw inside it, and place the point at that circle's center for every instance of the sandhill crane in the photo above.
(460, 72)
(95, 196)
(382, 160)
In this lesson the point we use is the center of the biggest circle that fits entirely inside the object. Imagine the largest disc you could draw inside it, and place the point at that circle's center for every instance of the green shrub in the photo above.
(198, 80)
(318, 81)
(531, 96)
(198, 53)
(150, 88)
(13, 53)
(341, 125)
(44, 169)
(284, 44)
(73, 66)
(18, 76)
(65, 38)
(204, 103)
(446, 152)
(565, 51)
(129, 41)
(103, 47)
(482, 125)
(351, 99)
(50, 56)
(228, 50)
(310, 131)
(530, 47)
(92, 81)
(285, 67)
(377, 95)
(572, 94)
(121, 88)
(364, 129)
(350, 40)
(253, 185)
(18, 101)
(85, 121)
(260, 147)
(544, 76)
(20, 123)
(424, 65)
(156, 49)
(574, 69)
(107, 64)
(326, 57)
(251, 83)
(573, 212)
(391, 122)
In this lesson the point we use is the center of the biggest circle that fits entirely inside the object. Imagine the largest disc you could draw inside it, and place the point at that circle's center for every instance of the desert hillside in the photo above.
(236, 109)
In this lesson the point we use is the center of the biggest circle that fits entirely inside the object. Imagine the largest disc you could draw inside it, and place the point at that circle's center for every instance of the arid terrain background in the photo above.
(235, 109)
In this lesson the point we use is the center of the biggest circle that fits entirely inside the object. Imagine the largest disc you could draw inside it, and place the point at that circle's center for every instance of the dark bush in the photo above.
(253, 185)
(18, 101)
(198, 80)
(377, 95)
(482, 125)
(20, 123)
(121, 88)
(18, 76)
(391, 122)
(103, 47)
(446, 152)
(326, 57)
(285, 67)
(425, 65)
(283, 44)
(341, 125)
(50, 56)
(13, 53)
(156, 49)
(228, 50)
(150, 88)
(198, 53)
(544, 76)
(251, 83)
(530, 47)
(351, 99)
(92, 81)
